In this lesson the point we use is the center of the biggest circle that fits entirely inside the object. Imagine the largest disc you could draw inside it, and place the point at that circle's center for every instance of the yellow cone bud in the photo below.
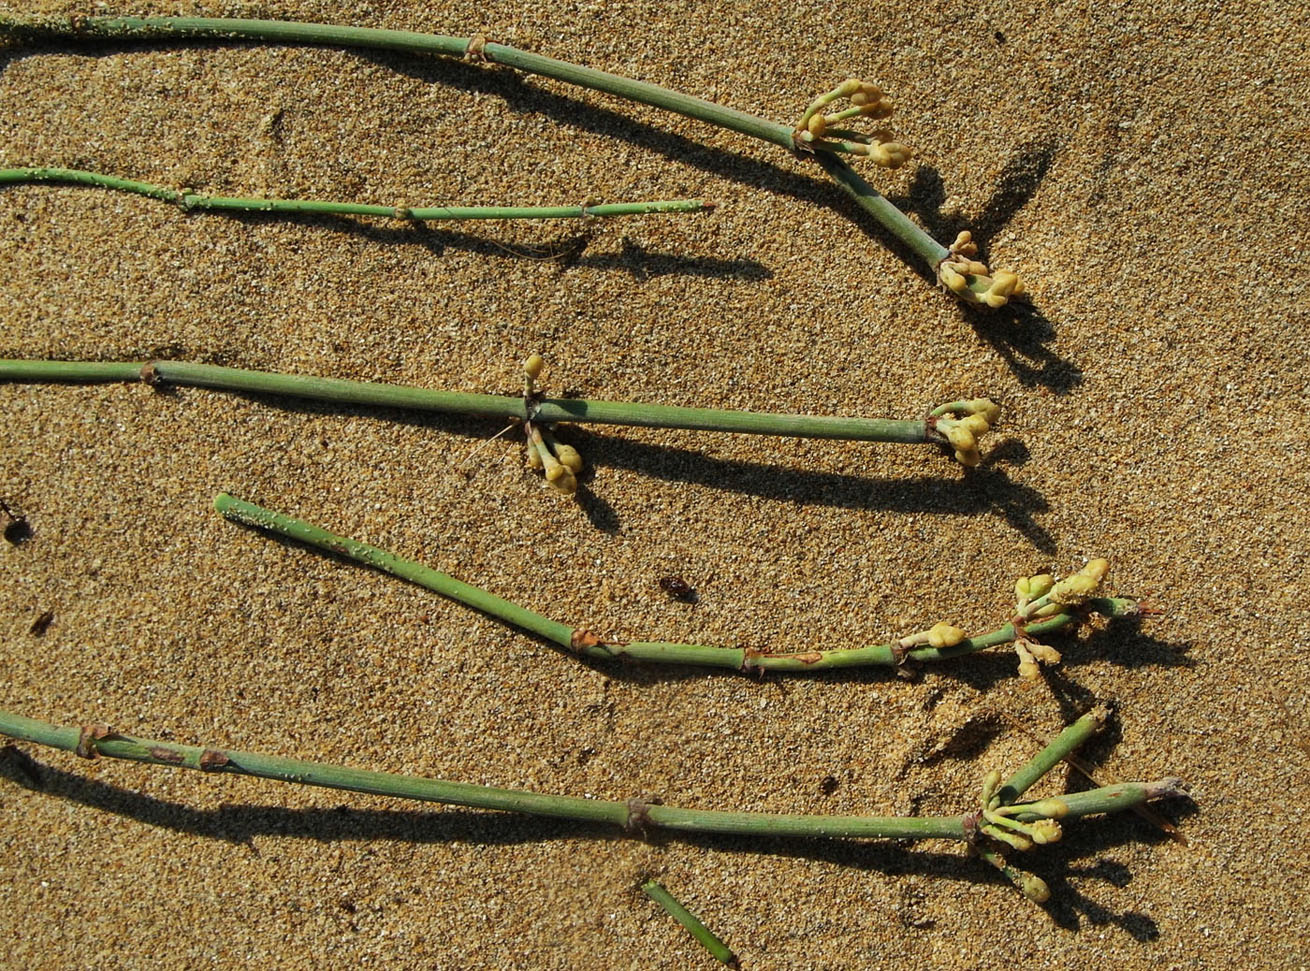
(1029, 671)
(569, 457)
(953, 280)
(961, 438)
(944, 635)
(1044, 653)
(962, 239)
(1040, 585)
(817, 125)
(969, 459)
(534, 460)
(1096, 569)
(533, 366)
(555, 473)
(1035, 889)
(849, 87)
(565, 483)
(891, 155)
(976, 423)
(1045, 831)
(1050, 808)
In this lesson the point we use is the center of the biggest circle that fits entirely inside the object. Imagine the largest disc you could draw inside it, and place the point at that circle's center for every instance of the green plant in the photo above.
(703, 935)
(817, 133)
(189, 201)
(978, 829)
(1060, 606)
(537, 412)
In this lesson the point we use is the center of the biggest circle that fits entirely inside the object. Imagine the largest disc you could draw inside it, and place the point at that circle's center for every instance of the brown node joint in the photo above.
(212, 760)
(582, 639)
(639, 813)
(750, 660)
(162, 754)
(86, 741)
(150, 374)
(477, 49)
(972, 823)
(403, 213)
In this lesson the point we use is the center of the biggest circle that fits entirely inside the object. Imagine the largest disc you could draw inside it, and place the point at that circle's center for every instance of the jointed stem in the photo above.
(192, 200)
(542, 410)
(288, 32)
(587, 644)
(633, 815)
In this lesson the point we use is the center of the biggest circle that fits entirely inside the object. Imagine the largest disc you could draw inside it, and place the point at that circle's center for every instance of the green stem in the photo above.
(289, 32)
(543, 410)
(192, 200)
(706, 937)
(633, 815)
(1053, 754)
(585, 643)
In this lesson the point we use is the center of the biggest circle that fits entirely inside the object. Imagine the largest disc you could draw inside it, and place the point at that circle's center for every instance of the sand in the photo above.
(1143, 166)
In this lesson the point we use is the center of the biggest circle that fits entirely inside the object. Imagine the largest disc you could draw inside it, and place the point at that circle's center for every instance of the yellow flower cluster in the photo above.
(820, 129)
(562, 463)
(975, 418)
(959, 272)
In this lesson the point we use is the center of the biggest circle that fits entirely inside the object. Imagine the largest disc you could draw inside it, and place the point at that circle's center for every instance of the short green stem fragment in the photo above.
(584, 642)
(706, 937)
(193, 200)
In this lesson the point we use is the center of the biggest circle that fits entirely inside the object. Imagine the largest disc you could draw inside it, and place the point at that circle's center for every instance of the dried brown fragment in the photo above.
(211, 760)
(639, 813)
(150, 374)
(167, 755)
(809, 657)
(582, 639)
(86, 741)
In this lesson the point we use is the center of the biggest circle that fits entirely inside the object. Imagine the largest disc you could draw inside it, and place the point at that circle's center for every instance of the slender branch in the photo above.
(587, 644)
(540, 410)
(703, 935)
(972, 283)
(192, 200)
(634, 815)
(1053, 754)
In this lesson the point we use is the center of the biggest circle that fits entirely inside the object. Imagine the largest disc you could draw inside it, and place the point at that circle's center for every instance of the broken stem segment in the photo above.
(543, 410)
(585, 643)
(704, 936)
(39, 27)
(192, 200)
(91, 742)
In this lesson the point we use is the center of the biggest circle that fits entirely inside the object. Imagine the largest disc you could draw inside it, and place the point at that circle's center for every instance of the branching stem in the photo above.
(585, 643)
(99, 741)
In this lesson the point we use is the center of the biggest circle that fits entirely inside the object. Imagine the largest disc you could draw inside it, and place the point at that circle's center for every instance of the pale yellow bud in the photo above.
(569, 457)
(978, 424)
(849, 87)
(870, 90)
(962, 239)
(1045, 831)
(944, 635)
(565, 483)
(953, 280)
(969, 459)
(991, 782)
(984, 406)
(1040, 585)
(1029, 671)
(961, 438)
(817, 125)
(994, 300)
(1004, 282)
(1035, 889)
(891, 155)
(534, 459)
(1050, 808)
(1074, 589)
(533, 366)
(1096, 569)
(1044, 653)
(556, 472)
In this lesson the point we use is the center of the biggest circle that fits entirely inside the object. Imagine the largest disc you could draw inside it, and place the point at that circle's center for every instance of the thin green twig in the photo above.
(633, 815)
(587, 644)
(503, 407)
(39, 27)
(192, 200)
(704, 936)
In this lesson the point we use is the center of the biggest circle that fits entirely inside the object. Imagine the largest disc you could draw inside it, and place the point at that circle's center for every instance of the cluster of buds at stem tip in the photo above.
(963, 423)
(999, 822)
(821, 129)
(1042, 596)
(970, 280)
(561, 463)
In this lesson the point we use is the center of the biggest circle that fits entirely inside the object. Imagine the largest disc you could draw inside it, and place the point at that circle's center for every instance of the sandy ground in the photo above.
(1143, 165)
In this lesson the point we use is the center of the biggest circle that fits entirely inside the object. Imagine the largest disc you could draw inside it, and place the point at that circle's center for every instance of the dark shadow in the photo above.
(988, 489)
